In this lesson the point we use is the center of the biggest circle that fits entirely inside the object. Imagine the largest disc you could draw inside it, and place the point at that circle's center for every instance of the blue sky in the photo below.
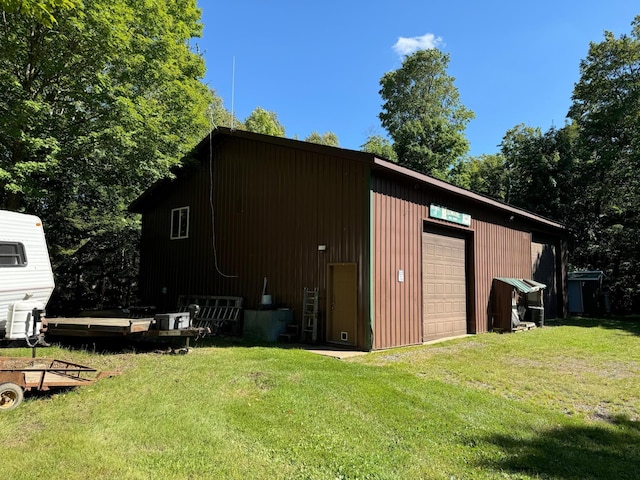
(318, 65)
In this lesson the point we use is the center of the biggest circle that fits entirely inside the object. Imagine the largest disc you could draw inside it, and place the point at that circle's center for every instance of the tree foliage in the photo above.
(101, 274)
(538, 169)
(423, 113)
(606, 111)
(327, 138)
(586, 173)
(94, 108)
(220, 116)
(111, 92)
(381, 146)
(485, 174)
(41, 11)
(265, 122)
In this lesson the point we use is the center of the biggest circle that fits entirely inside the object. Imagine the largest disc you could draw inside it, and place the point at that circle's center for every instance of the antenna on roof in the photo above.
(233, 85)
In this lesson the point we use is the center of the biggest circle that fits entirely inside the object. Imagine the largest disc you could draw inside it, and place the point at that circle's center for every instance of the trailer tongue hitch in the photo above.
(37, 337)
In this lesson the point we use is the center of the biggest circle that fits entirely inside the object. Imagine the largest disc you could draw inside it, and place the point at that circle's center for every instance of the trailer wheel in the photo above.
(10, 396)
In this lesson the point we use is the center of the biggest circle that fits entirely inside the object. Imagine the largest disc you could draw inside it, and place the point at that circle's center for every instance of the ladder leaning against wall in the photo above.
(310, 316)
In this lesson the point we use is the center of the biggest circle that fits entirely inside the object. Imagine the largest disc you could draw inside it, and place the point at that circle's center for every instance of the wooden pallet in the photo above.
(523, 327)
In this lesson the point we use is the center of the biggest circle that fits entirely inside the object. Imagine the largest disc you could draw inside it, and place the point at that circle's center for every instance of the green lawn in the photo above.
(561, 402)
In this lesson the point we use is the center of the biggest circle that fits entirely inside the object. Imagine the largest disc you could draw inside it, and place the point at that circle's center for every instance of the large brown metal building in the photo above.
(399, 258)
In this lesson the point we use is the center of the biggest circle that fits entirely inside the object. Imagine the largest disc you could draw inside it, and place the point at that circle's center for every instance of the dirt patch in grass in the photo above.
(587, 372)
(610, 369)
(417, 354)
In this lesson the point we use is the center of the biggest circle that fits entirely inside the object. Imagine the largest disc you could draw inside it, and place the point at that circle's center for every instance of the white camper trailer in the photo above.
(26, 278)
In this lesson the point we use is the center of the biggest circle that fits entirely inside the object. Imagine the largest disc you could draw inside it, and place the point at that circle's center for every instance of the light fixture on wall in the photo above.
(322, 248)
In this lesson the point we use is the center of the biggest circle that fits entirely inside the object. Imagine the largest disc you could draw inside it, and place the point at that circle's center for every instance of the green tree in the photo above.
(379, 145)
(539, 169)
(95, 108)
(423, 113)
(265, 122)
(606, 111)
(112, 92)
(328, 138)
(485, 174)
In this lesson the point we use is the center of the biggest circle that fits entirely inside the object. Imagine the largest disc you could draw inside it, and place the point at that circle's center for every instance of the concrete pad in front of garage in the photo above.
(340, 353)
(335, 352)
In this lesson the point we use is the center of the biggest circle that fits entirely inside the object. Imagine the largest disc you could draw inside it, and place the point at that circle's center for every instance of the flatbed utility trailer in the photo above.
(97, 327)
(177, 325)
(185, 324)
(20, 374)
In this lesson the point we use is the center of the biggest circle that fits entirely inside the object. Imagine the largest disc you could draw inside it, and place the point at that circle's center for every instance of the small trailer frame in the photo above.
(20, 374)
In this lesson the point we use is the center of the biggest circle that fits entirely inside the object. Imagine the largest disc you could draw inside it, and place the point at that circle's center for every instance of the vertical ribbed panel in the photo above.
(397, 233)
(273, 205)
(500, 251)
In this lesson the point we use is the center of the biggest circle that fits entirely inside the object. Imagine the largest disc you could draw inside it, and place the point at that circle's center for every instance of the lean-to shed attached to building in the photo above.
(399, 258)
(516, 300)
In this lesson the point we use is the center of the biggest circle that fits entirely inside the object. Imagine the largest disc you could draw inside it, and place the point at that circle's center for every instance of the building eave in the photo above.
(393, 168)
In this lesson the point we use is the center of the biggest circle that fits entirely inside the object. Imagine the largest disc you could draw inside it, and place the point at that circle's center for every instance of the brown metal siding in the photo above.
(497, 246)
(273, 206)
(396, 245)
(500, 251)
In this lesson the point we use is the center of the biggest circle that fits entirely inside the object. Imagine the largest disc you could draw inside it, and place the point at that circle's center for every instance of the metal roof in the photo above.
(595, 275)
(525, 285)
(468, 194)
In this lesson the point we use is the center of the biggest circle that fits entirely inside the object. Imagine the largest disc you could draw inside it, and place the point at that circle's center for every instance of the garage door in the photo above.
(443, 287)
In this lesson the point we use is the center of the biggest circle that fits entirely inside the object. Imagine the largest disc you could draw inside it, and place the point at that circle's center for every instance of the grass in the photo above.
(560, 402)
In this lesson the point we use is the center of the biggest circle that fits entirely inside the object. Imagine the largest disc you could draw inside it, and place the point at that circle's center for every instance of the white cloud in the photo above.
(406, 46)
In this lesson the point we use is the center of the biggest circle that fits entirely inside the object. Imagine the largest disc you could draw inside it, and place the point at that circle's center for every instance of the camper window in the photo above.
(12, 254)
(180, 223)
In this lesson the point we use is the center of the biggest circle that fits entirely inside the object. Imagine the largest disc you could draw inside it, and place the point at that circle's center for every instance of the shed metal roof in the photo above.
(593, 275)
(524, 285)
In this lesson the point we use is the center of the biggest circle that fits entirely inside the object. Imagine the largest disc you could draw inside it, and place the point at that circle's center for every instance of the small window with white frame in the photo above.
(179, 223)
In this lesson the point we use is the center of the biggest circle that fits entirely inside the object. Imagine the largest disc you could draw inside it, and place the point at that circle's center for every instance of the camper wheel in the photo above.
(10, 396)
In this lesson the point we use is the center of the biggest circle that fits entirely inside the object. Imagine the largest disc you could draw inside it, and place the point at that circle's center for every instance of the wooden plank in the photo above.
(91, 321)
(91, 326)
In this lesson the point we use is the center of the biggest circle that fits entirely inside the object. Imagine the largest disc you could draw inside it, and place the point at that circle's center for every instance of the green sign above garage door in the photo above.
(443, 213)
